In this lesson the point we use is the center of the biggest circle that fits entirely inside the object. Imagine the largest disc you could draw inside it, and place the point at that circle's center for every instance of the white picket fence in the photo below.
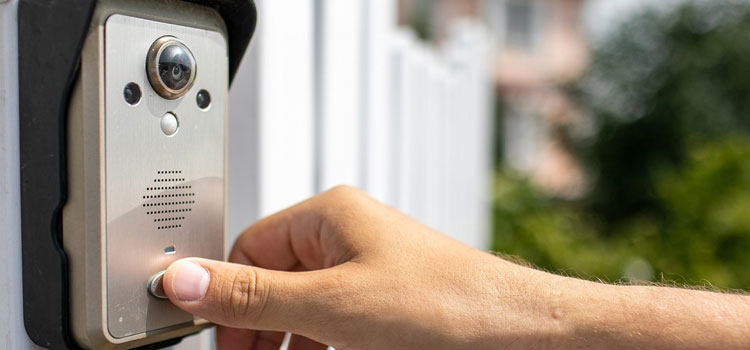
(330, 92)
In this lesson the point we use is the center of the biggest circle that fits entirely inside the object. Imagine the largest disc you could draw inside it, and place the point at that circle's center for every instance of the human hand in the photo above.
(365, 277)
(345, 270)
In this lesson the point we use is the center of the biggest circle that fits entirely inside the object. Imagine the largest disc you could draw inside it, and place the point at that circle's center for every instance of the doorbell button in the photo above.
(155, 285)
(169, 124)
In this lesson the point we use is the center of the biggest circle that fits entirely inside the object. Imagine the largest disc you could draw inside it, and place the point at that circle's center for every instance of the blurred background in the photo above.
(621, 143)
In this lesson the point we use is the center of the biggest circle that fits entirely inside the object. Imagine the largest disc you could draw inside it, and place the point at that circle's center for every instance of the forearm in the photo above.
(640, 317)
(539, 310)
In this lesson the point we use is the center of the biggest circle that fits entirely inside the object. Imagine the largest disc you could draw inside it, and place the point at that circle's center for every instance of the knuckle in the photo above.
(244, 298)
(345, 191)
(344, 197)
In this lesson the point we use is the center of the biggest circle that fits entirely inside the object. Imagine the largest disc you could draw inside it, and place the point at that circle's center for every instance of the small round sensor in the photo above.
(169, 124)
(203, 99)
(132, 94)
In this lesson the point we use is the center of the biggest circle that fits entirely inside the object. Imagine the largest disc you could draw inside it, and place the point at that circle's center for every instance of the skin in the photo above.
(345, 270)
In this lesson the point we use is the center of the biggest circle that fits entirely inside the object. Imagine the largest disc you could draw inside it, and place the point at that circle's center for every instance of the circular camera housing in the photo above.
(170, 67)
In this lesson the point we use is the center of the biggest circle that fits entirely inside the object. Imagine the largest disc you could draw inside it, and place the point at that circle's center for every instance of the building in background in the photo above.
(541, 46)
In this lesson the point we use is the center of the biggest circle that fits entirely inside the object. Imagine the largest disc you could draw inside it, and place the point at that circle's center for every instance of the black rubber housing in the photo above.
(50, 38)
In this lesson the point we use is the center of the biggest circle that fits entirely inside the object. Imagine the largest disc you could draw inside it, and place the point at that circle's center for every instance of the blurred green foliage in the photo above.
(668, 159)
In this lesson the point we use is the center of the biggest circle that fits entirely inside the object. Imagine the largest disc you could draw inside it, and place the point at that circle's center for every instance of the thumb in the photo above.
(241, 296)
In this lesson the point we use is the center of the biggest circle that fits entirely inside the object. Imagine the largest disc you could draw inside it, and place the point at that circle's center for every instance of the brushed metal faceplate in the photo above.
(161, 192)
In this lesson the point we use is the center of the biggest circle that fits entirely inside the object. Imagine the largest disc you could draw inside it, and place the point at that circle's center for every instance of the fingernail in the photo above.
(190, 281)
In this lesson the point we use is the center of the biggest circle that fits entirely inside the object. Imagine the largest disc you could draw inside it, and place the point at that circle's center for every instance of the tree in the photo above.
(668, 160)
(664, 83)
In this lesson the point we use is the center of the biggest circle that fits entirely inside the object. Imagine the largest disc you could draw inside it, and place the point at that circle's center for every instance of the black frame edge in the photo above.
(50, 37)
(241, 18)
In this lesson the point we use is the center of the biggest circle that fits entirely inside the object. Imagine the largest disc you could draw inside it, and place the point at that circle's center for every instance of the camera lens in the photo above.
(175, 66)
(177, 73)
(170, 67)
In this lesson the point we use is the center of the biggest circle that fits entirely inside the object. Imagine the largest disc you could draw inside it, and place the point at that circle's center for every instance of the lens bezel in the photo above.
(152, 68)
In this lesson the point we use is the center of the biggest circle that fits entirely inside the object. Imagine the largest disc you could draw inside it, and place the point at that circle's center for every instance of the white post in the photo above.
(340, 95)
(378, 129)
(285, 77)
(243, 193)
(405, 111)
(468, 54)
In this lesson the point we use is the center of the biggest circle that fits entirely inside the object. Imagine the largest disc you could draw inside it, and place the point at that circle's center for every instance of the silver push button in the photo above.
(155, 286)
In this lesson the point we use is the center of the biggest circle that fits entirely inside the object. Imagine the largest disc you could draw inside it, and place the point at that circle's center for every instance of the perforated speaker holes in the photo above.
(167, 202)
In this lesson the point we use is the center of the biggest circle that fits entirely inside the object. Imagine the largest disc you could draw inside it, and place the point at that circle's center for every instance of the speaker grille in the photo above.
(169, 200)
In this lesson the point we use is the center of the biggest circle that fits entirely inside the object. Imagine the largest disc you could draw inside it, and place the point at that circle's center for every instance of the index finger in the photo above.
(323, 231)
(288, 240)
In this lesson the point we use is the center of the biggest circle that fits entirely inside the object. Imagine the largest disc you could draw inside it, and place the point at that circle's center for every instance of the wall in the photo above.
(330, 92)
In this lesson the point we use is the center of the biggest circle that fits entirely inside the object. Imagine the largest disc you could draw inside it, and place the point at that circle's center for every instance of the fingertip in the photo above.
(186, 280)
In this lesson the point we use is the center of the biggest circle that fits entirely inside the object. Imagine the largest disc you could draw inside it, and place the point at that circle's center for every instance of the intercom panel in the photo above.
(146, 166)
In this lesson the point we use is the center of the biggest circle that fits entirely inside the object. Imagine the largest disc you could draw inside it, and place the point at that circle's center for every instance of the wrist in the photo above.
(537, 310)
